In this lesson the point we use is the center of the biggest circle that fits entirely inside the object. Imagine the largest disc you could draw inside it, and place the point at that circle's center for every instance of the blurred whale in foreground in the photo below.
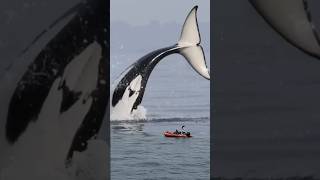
(53, 105)
(131, 85)
(293, 21)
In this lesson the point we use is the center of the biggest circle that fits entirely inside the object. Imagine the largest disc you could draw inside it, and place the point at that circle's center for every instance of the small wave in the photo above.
(148, 164)
(153, 120)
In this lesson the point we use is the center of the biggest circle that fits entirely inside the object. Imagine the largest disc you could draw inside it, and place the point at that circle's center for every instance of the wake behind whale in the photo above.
(131, 85)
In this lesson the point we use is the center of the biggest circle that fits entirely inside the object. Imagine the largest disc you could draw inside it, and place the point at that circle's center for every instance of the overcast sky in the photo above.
(141, 12)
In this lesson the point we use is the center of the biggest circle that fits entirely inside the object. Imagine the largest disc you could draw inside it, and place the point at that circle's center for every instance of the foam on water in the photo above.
(122, 114)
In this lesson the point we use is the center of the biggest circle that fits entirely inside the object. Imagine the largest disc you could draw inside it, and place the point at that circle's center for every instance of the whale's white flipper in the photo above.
(190, 44)
(292, 20)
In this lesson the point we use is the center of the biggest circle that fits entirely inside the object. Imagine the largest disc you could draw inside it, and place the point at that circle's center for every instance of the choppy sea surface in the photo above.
(175, 95)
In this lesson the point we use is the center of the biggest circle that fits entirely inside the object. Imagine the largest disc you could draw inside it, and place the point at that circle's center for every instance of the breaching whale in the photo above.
(293, 21)
(59, 99)
(131, 85)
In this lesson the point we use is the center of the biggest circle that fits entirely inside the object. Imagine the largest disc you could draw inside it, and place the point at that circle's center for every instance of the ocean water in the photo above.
(140, 151)
(175, 95)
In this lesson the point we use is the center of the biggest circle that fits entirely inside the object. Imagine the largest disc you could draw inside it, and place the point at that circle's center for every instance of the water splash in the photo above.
(123, 114)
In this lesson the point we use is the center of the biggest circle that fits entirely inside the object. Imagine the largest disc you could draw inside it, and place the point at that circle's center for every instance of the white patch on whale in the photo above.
(122, 111)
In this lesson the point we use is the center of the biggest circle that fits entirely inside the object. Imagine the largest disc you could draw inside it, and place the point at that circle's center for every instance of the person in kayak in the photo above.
(184, 132)
(180, 132)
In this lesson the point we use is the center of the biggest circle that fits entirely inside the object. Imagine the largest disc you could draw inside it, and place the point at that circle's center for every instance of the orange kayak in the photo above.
(172, 134)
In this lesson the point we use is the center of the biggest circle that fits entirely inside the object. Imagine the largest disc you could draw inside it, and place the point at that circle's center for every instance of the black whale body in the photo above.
(143, 67)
